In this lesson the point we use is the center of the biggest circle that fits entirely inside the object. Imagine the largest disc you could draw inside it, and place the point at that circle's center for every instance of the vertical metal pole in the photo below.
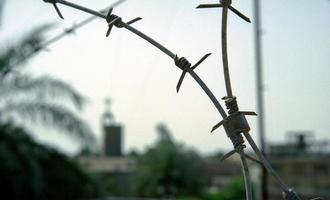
(259, 92)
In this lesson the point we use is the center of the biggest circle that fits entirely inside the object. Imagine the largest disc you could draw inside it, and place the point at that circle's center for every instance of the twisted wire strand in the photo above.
(224, 48)
(246, 175)
(238, 142)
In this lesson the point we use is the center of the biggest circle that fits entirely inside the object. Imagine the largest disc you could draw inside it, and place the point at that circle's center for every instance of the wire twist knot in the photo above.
(114, 20)
(185, 66)
(182, 63)
(231, 104)
(226, 3)
(238, 141)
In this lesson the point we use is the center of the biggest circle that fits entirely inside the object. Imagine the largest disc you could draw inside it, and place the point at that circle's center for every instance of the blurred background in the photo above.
(95, 117)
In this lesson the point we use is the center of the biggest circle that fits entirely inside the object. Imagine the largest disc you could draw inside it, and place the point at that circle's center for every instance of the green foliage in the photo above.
(133, 153)
(115, 184)
(168, 169)
(234, 191)
(189, 198)
(32, 171)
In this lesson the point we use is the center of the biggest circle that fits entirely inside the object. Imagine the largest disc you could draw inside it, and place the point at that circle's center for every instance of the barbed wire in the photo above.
(234, 123)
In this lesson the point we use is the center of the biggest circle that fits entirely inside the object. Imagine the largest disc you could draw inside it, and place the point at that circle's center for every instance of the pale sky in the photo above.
(141, 80)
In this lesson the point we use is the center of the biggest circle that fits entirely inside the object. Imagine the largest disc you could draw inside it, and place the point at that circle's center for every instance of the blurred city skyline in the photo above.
(141, 81)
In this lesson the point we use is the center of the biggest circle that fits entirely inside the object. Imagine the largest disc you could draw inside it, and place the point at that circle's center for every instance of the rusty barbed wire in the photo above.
(235, 123)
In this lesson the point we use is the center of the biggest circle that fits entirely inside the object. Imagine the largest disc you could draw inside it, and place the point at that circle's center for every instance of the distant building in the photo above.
(304, 165)
(302, 162)
(112, 134)
(108, 165)
(114, 169)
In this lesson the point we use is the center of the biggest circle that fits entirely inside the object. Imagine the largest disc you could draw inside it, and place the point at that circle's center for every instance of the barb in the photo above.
(184, 65)
(55, 6)
(133, 20)
(114, 20)
(232, 152)
(225, 5)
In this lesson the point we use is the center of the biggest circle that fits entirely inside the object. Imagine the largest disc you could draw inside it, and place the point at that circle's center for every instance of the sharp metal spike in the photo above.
(109, 31)
(133, 20)
(239, 14)
(111, 25)
(180, 81)
(253, 159)
(249, 113)
(227, 155)
(109, 14)
(210, 6)
(201, 60)
(58, 11)
(217, 126)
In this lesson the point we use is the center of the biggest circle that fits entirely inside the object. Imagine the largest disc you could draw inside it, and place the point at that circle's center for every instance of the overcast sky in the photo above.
(141, 80)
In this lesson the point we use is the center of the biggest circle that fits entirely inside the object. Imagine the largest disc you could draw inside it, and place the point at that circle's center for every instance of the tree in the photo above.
(37, 98)
(168, 169)
(32, 171)
(234, 191)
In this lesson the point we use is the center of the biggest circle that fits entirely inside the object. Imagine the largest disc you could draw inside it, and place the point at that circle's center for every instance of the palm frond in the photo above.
(40, 88)
(52, 115)
(18, 53)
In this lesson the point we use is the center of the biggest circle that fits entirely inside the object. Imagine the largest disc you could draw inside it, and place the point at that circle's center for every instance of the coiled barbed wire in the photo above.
(235, 118)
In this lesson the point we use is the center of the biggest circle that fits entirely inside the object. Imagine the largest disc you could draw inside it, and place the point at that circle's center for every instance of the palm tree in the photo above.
(38, 99)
